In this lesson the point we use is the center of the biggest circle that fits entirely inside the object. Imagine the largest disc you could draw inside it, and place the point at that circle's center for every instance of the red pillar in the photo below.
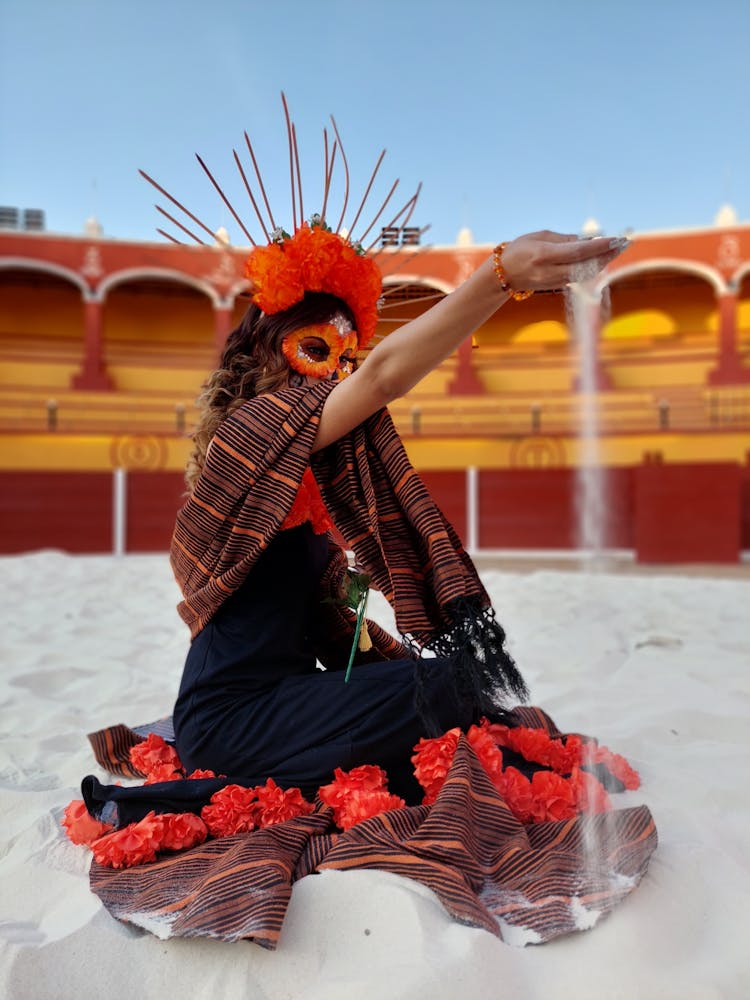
(466, 381)
(93, 374)
(729, 370)
(222, 326)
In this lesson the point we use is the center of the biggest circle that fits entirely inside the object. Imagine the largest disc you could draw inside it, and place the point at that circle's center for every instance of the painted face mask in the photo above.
(322, 350)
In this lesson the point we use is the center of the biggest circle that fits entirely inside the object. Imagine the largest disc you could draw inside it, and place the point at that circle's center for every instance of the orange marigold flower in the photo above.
(153, 751)
(554, 797)
(485, 748)
(567, 755)
(320, 261)
(135, 844)
(181, 831)
(515, 788)
(432, 760)
(277, 805)
(198, 773)
(275, 277)
(361, 804)
(162, 772)
(366, 778)
(315, 251)
(308, 506)
(616, 764)
(80, 825)
(590, 794)
(231, 810)
(538, 746)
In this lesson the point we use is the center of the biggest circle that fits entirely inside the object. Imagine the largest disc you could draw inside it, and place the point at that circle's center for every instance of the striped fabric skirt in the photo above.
(525, 883)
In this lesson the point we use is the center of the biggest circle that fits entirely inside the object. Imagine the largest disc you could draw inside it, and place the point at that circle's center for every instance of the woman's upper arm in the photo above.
(349, 403)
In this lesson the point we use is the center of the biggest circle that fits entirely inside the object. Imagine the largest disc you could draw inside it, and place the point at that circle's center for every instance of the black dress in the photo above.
(253, 704)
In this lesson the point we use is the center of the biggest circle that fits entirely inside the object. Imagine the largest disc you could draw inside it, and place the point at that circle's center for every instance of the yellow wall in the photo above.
(47, 310)
(95, 452)
(170, 315)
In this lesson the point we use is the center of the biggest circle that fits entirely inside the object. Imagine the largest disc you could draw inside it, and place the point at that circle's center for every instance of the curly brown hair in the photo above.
(252, 363)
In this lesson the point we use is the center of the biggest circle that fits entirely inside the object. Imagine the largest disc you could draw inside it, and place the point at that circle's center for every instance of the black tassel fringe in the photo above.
(484, 674)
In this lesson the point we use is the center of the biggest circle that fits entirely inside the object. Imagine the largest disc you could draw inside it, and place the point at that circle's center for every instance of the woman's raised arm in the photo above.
(535, 262)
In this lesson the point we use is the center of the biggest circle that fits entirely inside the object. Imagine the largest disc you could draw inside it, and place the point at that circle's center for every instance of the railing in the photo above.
(681, 409)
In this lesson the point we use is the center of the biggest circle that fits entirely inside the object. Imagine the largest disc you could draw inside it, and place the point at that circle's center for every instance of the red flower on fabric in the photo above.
(200, 774)
(366, 778)
(515, 788)
(485, 748)
(231, 810)
(181, 831)
(358, 794)
(308, 506)
(616, 764)
(152, 752)
(80, 825)
(554, 797)
(590, 794)
(133, 845)
(567, 755)
(432, 760)
(162, 772)
(538, 746)
(360, 805)
(276, 805)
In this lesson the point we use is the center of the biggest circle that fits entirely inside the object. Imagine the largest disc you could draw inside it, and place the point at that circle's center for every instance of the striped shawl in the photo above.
(379, 505)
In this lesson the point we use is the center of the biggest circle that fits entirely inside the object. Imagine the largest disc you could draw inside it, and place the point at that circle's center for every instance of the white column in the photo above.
(119, 510)
(472, 509)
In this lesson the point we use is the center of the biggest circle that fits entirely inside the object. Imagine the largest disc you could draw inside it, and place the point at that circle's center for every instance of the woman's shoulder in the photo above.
(268, 420)
(272, 409)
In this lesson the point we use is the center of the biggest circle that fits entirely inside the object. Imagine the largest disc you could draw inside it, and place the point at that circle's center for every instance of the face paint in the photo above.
(322, 350)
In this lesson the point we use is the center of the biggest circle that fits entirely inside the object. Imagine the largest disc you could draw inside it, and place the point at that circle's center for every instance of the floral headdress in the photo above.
(316, 257)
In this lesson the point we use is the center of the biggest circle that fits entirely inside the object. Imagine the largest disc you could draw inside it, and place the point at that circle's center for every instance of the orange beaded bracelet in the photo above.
(497, 267)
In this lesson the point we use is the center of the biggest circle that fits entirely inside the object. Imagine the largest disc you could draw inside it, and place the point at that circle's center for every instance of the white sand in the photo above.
(658, 667)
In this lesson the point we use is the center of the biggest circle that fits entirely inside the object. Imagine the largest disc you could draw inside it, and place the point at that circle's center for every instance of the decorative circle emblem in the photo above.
(537, 452)
(138, 451)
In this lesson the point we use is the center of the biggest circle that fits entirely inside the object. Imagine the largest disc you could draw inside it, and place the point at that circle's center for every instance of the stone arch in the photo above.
(709, 274)
(45, 267)
(41, 322)
(158, 329)
(165, 274)
(662, 298)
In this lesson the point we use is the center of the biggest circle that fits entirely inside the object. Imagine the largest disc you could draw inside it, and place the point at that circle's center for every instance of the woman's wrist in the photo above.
(518, 294)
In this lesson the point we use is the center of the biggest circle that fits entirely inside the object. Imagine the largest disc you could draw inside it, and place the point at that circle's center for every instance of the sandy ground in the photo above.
(657, 665)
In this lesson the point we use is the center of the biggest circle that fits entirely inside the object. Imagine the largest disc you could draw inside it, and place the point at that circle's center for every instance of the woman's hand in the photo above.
(545, 260)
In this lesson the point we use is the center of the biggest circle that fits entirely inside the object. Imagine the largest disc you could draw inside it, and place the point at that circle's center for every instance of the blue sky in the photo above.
(515, 116)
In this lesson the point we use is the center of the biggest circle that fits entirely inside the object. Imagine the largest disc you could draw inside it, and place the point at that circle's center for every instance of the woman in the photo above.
(252, 703)
(294, 438)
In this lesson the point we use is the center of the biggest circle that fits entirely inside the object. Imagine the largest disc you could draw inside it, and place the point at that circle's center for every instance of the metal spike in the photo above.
(409, 206)
(299, 175)
(168, 236)
(381, 209)
(179, 225)
(223, 197)
(174, 201)
(251, 196)
(329, 176)
(291, 160)
(366, 194)
(346, 175)
(260, 182)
